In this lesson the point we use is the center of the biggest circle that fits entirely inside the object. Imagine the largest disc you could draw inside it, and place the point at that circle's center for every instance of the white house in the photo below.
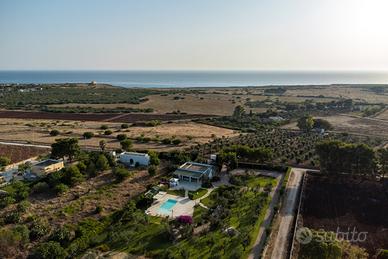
(194, 172)
(134, 159)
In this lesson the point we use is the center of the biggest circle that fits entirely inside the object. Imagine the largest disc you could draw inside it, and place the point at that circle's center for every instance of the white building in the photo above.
(134, 159)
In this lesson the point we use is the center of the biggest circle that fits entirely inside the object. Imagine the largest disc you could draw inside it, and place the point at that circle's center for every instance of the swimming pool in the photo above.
(166, 207)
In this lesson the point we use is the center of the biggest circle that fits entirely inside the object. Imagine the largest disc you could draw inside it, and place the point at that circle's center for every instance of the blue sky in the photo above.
(196, 34)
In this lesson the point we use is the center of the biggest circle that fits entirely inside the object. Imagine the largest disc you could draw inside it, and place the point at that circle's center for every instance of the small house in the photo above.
(194, 172)
(47, 166)
(134, 159)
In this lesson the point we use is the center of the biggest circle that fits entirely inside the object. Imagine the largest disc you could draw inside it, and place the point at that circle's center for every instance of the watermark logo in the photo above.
(304, 235)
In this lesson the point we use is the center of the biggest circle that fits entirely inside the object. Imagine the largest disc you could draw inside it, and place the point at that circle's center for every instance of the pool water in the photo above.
(166, 207)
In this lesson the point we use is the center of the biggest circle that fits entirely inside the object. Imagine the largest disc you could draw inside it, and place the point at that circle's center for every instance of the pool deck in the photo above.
(184, 206)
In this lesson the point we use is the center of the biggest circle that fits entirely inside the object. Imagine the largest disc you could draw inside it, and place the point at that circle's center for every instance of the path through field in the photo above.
(287, 214)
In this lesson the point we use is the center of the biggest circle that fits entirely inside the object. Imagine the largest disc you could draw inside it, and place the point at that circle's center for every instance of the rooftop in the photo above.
(194, 168)
(48, 162)
(134, 154)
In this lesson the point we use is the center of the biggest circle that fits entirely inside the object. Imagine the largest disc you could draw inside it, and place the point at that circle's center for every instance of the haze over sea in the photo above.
(174, 79)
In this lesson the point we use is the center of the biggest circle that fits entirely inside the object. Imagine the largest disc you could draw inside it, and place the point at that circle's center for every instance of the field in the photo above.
(19, 153)
(354, 124)
(125, 117)
(344, 202)
(37, 132)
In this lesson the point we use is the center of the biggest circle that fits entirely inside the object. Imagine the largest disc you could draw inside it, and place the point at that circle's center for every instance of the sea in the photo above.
(176, 79)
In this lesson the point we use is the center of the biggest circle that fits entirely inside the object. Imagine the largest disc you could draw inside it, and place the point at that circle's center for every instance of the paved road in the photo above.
(287, 214)
(262, 236)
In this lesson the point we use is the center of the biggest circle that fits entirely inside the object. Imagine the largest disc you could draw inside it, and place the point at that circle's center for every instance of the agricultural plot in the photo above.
(344, 204)
(20, 153)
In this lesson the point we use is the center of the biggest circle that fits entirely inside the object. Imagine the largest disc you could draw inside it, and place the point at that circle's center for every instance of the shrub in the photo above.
(126, 144)
(104, 127)
(185, 219)
(98, 209)
(88, 135)
(49, 250)
(176, 141)
(62, 235)
(121, 137)
(152, 170)
(54, 133)
(40, 187)
(166, 141)
(61, 188)
(121, 173)
(38, 229)
(154, 158)
(4, 161)
(12, 218)
(102, 163)
(124, 126)
(108, 132)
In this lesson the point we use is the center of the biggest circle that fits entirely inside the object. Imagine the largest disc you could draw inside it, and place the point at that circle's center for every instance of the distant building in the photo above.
(194, 172)
(134, 159)
(47, 166)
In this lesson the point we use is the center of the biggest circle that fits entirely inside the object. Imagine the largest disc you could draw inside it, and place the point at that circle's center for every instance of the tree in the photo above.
(126, 144)
(88, 135)
(238, 112)
(306, 123)
(382, 155)
(154, 158)
(102, 144)
(65, 147)
(102, 163)
(322, 124)
(121, 173)
(72, 175)
(152, 170)
(121, 137)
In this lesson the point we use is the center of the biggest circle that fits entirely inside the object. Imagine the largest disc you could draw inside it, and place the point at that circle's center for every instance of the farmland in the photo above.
(345, 202)
(20, 153)
(143, 137)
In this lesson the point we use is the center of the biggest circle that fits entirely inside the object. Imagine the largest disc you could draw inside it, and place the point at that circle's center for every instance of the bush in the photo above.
(124, 126)
(38, 229)
(121, 173)
(12, 218)
(152, 170)
(62, 235)
(40, 187)
(88, 135)
(176, 141)
(154, 157)
(121, 137)
(104, 127)
(49, 250)
(54, 133)
(185, 219)
(126, 144)
(166, 141)
(108, 132)
(4, 161)
(102, 163)
(61, 188)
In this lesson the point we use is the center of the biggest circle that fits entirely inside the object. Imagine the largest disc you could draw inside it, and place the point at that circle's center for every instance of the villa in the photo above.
(192, 172)
(134, 159)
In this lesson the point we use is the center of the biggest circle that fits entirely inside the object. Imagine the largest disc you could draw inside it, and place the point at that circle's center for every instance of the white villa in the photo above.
(134, 159)
(194, 172)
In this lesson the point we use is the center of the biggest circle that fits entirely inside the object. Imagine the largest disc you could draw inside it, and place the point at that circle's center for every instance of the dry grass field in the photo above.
(37, 132)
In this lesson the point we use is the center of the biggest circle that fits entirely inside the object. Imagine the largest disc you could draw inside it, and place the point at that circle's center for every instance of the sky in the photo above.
(193, 35)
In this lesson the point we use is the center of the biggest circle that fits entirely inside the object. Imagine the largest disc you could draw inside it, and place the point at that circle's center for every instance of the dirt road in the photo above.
(287, 214)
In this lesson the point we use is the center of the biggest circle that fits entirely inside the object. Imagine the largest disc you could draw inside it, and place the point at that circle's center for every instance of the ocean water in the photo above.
(148, 79)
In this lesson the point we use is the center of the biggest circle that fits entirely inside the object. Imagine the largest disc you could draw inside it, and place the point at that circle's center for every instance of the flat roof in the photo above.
(134, 154)
(48, 162)
(195, 167)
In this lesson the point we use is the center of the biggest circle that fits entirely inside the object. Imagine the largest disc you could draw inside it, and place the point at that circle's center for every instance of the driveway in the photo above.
(287, 214)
